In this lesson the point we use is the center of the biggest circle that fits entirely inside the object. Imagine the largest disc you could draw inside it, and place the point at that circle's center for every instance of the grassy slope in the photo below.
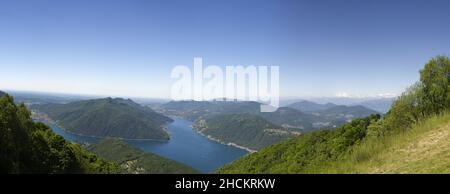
(305, 153)
(423, 149)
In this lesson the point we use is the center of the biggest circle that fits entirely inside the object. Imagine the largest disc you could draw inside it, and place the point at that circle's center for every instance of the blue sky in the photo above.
(128, 48)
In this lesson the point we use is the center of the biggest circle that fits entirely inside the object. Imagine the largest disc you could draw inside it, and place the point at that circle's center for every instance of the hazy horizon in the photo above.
(287, 98)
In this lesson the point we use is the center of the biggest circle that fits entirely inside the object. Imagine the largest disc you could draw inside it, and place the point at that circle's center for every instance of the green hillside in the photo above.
(30, 147)
(136, 161)
(245, 130)
(108, 117)
(411, 138)
(425, 148)
(303, 153)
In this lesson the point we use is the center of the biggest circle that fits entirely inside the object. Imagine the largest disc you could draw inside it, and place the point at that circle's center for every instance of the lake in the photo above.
(185, 146)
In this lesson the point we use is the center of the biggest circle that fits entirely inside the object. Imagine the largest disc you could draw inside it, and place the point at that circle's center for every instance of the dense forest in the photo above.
(30, 147)
(108, 117)
(425, 102)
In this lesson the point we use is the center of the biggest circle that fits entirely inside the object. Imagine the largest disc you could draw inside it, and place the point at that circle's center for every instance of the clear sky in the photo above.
(128, 48)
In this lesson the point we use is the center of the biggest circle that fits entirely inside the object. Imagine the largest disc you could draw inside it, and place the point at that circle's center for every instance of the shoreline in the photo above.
(44, 118)
(249, 150)
(52, 123)
(105, 137)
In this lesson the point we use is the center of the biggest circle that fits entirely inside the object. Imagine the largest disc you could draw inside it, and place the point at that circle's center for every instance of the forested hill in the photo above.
(303, 153)
(413, 137)
(30, 147)
(246, 130)
(108, 117)
(136, 161)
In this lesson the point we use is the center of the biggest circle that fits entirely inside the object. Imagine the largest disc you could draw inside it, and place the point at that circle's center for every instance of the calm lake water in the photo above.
(185, 146)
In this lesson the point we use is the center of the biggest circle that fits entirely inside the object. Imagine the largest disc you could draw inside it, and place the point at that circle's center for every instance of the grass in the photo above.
(425, 148)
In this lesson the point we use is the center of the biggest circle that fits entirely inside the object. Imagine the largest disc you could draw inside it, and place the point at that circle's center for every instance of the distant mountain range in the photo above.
(108, 117)
(308, 106)
(347, 111)
(381, 105)
(303, 115)
(335, 114)
(30, 98)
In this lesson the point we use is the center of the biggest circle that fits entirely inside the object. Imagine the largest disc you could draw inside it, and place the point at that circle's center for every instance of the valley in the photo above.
(241, 124)
(234, 137)
(185, 146)
(213, 134)
(212, 92)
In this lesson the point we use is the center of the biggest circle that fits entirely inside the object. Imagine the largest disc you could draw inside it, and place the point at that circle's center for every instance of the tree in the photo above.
(435, 77)
(29, 147)
(406, 110)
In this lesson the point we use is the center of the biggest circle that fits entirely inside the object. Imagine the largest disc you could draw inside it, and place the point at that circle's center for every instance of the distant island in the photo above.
(108, 117)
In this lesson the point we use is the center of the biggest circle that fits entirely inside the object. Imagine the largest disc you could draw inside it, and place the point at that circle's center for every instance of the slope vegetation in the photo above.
(108, 117)
(305, 153)
(135, 161)
(425, 148)
(30, 147)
